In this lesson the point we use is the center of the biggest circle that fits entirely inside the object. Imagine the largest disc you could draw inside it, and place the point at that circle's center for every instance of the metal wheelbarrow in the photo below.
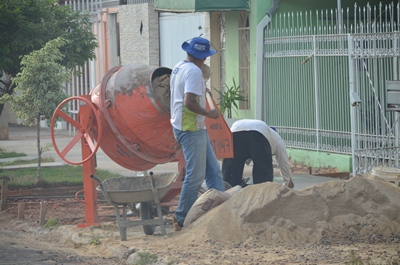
(146, 190)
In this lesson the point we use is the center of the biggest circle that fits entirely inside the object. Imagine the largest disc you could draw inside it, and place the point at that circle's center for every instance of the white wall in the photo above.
(177, 28)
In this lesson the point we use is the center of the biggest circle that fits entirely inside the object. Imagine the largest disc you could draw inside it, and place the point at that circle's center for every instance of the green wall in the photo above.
(320, 159)
(232, 47)
(258, 12)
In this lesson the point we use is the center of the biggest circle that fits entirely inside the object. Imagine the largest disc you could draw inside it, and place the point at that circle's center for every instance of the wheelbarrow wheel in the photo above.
(147, 213)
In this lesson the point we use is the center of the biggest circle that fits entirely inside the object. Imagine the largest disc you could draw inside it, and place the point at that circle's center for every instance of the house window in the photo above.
(244, 58)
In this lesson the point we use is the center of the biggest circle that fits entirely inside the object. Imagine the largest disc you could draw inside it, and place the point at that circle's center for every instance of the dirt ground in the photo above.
(215, 239)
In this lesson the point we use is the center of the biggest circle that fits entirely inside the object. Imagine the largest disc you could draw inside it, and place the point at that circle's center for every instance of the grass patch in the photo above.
(356, 260)
(51, 177)
(18, 161)
(145, 258)
(63, 176)
(95, 240)
(4, 154)
(52, 222)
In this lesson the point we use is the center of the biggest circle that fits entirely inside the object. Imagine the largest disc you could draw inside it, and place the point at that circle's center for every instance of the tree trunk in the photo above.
(6, 87)
(4, 127)
(1, 108)
(38, 147)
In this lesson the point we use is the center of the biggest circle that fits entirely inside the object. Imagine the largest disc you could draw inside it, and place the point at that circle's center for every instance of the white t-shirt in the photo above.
(277, 144)
(186, 77)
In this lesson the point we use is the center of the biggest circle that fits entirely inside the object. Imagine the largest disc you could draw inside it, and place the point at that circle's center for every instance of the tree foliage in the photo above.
(40, 84)
(40, 87)
(27, 25)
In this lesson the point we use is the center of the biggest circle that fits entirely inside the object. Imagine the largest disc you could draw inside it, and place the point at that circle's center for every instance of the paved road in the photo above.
(23, 139)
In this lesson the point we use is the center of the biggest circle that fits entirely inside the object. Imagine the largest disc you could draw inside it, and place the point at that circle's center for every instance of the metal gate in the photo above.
(373, 63)
(316, 64)
(92, 71)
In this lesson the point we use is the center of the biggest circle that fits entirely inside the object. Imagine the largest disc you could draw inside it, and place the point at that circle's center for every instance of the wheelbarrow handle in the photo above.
(98, 180)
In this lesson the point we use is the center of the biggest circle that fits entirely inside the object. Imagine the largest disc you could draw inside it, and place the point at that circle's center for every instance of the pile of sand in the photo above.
(362, 209)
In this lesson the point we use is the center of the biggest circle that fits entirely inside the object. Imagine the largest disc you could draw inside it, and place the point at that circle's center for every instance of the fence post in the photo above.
(42, 218)
(21, 210)
(4, 189)
(352, 109)
(316, 91)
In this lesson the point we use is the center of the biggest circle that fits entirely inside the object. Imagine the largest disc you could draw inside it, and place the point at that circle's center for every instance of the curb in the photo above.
(19, 158)
(52, 164)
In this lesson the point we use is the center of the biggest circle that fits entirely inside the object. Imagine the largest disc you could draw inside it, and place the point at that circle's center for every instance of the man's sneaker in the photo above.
(176, 225)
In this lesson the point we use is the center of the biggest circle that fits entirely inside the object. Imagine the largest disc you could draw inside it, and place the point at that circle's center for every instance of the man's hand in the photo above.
(190, 101)
(213, 114)
(291, 184)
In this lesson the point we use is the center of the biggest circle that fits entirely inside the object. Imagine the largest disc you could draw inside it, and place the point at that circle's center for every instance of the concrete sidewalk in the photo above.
(22, 139)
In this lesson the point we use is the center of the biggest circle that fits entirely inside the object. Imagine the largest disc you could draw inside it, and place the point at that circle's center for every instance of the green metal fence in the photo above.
(313, 60)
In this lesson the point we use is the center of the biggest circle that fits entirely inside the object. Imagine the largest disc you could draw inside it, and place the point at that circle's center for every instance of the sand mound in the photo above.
(362, 209)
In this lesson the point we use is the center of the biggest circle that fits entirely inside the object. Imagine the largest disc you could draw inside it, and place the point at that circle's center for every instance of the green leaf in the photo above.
(228, 97)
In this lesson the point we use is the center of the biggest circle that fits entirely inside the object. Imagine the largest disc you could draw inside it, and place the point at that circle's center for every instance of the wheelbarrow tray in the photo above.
(125, 190)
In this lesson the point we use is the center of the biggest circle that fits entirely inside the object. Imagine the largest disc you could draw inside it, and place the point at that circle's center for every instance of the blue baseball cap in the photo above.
(198, 47)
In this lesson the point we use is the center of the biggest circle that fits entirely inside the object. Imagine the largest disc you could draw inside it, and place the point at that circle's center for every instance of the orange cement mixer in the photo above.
(136, 123)
(127, 115)
(133, 118)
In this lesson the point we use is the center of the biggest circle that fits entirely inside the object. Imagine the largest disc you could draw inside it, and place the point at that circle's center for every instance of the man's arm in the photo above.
(284, 165)
(191, 103)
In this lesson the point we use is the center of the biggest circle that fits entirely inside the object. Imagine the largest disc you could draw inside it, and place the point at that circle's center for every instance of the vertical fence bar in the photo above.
(316, 91)
(352, 109)
(396, 114)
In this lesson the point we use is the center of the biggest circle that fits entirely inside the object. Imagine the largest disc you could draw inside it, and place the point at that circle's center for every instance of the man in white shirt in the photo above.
(255, 140)
(188, 112)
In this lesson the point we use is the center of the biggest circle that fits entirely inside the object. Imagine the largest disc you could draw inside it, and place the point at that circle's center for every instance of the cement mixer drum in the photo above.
(134, 103)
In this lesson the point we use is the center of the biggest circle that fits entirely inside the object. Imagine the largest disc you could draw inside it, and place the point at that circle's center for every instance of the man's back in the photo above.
(186, 78)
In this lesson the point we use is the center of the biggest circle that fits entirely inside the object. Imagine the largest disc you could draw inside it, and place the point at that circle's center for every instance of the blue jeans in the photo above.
(201, 163)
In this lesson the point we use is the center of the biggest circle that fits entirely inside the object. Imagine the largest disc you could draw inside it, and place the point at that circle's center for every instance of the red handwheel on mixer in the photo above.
(86, 124)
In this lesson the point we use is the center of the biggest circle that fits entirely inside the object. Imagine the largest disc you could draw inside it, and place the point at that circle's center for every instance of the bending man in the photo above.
(255, 140)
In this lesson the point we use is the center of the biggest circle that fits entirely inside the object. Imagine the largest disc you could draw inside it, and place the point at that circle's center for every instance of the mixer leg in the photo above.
(90, 192)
